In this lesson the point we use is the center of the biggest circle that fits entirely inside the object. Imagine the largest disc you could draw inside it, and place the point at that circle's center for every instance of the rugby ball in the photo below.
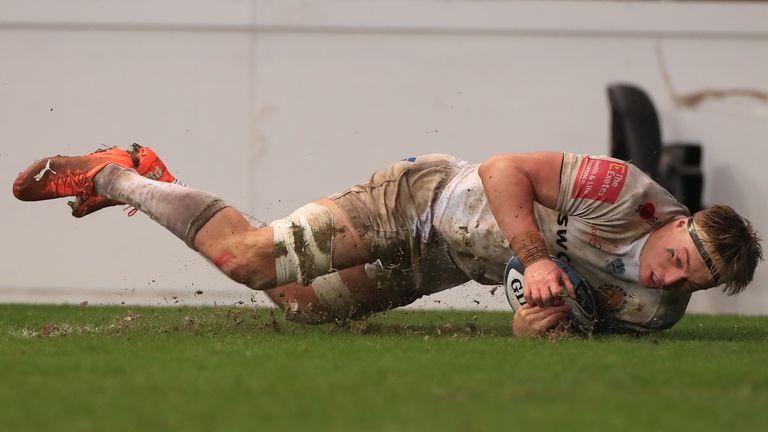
(583, 310)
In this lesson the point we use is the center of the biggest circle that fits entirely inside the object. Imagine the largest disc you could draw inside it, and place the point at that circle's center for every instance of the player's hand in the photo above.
(530, 321)
(544, 282)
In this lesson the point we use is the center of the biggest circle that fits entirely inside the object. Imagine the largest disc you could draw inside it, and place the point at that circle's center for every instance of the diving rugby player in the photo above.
(429, 223)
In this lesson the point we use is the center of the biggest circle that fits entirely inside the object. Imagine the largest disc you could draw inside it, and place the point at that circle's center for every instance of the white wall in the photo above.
(271, 104)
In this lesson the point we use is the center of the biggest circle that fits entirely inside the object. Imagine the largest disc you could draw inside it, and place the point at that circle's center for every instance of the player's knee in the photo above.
(327, 299)
(302, 244)
(297, 250)
(248, 259)
(250, 277)
(334, 297)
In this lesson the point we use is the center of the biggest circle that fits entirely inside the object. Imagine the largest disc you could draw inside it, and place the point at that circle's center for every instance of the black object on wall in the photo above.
(635, 133)
(636, 137)
(680, 173)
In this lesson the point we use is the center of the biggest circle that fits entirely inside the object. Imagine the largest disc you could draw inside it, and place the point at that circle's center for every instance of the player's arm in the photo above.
(512, 182)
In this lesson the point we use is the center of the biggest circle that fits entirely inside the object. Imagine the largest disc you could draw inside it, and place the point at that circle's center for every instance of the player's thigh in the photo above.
(348, 248)
(384, 218)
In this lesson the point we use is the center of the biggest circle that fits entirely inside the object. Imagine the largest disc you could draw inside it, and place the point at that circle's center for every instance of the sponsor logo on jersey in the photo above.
(616, 299)
(600, 180)
(561, 238)
(647, 212)
(593, 240)
(615, 265)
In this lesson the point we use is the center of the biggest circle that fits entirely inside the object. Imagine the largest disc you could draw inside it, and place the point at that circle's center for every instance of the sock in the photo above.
(182, 210)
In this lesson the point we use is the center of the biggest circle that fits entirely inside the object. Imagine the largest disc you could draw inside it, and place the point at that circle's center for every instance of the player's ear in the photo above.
(680, 223)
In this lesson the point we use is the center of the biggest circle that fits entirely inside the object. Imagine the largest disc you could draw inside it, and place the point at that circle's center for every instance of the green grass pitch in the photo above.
(90, 368)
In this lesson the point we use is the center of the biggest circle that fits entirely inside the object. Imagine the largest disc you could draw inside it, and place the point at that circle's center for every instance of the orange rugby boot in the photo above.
(63, 176)
(146, 162)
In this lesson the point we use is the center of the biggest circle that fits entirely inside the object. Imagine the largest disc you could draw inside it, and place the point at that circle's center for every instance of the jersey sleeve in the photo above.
(613, 193)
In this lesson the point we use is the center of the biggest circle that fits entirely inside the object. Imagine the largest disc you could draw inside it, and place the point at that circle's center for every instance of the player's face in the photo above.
(670, 260)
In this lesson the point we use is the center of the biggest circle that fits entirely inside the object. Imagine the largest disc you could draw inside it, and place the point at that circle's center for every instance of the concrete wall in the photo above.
(271, 104)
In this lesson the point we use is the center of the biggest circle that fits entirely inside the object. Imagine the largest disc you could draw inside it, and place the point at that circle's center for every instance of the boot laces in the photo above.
(131, 210)
(76, 184)
(135, 153)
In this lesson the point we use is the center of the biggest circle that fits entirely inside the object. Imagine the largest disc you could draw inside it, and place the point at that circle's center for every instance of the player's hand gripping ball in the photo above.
(583, 310)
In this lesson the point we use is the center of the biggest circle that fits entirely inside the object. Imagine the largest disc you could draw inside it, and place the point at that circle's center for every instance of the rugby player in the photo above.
(433, 222)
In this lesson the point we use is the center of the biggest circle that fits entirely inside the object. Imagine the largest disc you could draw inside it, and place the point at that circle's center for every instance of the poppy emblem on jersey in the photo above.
(600, 180)
(615, 266)
(647, 212)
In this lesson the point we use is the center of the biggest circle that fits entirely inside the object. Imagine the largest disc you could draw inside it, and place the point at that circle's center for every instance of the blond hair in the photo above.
(732, 244)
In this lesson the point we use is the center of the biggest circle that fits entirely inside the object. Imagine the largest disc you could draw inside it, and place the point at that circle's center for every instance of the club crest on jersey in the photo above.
(615, 266)
(616, 299)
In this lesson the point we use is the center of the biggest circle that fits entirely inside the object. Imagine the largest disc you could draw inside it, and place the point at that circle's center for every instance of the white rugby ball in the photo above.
(583, 310)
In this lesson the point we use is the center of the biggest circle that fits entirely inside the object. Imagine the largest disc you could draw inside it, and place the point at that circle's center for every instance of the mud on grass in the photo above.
(46, 321)
(60, 321)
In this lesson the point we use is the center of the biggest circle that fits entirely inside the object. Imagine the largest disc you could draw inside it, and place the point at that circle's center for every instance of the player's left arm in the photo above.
(512, 183)
(532, 321)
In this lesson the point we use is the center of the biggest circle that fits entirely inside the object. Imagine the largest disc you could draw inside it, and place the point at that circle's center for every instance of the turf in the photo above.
(110, 368)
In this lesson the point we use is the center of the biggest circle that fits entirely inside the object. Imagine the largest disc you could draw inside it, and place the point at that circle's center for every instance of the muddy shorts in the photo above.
(393, 212)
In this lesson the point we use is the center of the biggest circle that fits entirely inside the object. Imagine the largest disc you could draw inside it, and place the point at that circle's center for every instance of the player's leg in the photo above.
(347, 294)
(304, 245)
(295, 249)
(314, 240)
(359, 291)
(391, 214)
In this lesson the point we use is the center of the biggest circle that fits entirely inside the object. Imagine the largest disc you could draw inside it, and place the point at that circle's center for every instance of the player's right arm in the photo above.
(512, 183)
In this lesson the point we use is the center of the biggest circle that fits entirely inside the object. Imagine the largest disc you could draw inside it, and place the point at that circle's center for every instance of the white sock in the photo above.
(182, 210)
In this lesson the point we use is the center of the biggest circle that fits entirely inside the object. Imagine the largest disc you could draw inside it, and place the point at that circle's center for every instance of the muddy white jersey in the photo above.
(606, 209)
